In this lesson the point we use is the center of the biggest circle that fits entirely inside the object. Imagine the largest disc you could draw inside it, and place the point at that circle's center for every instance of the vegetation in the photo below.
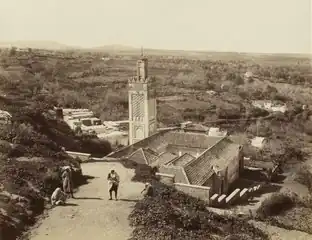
(34, 81)
(287, 210)
(304, 176)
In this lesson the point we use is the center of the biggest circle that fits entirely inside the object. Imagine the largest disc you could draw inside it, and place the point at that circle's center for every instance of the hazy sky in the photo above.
(221, 25)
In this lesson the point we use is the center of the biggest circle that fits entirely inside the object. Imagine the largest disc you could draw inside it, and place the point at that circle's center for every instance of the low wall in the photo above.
(200, 192)
(82, 156)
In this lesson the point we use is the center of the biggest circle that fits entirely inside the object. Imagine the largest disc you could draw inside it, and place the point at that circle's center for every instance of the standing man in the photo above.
(71, 182)
(67, 186)
(113, 184)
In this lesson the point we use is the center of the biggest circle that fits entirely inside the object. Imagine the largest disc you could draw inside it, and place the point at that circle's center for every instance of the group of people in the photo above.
(59, 196)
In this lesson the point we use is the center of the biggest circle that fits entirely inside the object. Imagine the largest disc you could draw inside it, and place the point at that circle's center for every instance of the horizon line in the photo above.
(63, 47)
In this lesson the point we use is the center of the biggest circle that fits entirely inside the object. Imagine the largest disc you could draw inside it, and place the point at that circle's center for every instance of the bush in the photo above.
(276, 204)
(52, 180)
(174, 215)
(304, 176)
(5, 147)
(308, 127)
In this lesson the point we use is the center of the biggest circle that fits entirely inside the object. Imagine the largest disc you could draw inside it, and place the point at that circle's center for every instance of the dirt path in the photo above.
(92, 215)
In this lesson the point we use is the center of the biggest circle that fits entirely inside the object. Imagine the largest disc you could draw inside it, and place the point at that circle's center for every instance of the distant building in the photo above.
(211, 92)
(248, 75)
(216, 132)
(270, 106)
(22, 50)
(105, 58)
(84, 121)
(185, 124)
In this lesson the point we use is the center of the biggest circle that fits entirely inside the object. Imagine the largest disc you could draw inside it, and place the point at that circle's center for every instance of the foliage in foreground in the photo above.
(174, 215)
(287, 210)
(304, 176)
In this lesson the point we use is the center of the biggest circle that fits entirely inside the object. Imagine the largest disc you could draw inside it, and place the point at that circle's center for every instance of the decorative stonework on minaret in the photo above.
(142, 103)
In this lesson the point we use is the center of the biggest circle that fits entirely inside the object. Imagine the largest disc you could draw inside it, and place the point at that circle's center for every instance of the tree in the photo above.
(13, 51)
(238, 79)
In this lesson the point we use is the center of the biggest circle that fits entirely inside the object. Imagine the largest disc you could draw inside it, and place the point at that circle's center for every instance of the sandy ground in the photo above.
(92, 215)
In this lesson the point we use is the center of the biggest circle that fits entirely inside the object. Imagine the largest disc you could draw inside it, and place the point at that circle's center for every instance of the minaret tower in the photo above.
(142, 103)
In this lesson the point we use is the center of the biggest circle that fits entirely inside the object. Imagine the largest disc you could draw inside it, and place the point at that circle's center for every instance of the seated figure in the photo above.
(148, 190)
(58, 197)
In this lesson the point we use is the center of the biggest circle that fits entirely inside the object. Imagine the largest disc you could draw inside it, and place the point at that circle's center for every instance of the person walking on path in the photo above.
(67, 182)
(71, 181)
(113, 184)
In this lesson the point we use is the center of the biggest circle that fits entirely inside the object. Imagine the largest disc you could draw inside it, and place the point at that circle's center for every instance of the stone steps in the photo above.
(238, 194)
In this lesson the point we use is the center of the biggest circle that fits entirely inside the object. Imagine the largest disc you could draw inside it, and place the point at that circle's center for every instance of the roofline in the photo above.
(142, 153)
(181, 168)
(142, 140)
(144, 156)
(186, 177)
(177, 158)
(208, 149)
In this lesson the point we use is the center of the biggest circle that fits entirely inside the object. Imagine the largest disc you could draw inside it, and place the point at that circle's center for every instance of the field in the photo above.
(35, 81)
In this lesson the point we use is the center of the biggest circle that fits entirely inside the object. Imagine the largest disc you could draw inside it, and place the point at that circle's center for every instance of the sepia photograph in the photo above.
(156, 120)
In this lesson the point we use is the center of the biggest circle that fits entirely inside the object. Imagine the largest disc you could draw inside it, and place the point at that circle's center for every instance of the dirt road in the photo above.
(92, 215)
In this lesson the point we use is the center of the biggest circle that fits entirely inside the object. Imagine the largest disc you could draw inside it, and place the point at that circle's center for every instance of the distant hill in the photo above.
(129, 50)
(115, 47)
(49, 45)
(124, 49)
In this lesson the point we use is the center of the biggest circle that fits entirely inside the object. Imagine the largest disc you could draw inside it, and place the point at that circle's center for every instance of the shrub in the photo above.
(304, 176)
(5, 147)
(174, 215)
(275, 205)
(308, 127)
